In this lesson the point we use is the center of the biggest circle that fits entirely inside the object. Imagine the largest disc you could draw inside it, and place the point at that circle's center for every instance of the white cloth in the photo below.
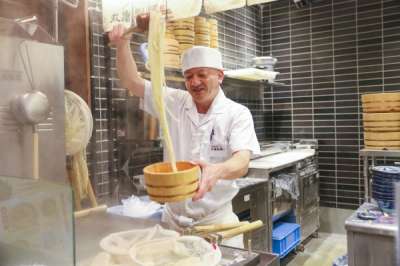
(201, 56)
(226, 128)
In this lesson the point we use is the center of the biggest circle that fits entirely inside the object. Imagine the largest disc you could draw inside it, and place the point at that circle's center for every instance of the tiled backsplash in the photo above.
(329, 54)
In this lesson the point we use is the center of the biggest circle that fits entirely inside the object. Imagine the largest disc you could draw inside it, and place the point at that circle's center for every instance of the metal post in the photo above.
(56, 20)
(397, 187)
(366, 183)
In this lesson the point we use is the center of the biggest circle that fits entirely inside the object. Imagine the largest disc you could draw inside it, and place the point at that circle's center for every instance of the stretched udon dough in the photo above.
(120, 243)
(156, 62)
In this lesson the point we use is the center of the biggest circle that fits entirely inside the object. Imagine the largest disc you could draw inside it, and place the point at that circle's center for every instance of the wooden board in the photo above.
(382, 148)
(381, 116)
(382, 136)
(171, 199)
(382, 143)
(382, 129)
(172, 191)
(381, 107)
(374, 124)
(381, 97)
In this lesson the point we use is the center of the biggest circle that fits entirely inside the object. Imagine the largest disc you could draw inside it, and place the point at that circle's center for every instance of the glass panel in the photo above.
(36, 223)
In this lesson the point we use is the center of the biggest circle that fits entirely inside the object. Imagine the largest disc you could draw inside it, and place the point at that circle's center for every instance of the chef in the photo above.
(205, 126)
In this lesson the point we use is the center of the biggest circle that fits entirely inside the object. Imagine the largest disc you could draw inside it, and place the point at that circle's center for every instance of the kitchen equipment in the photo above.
(78, 131)
(384, 179)
(371, 242)
(252, 203)
(252, 74)
(264, 62)
(226, 234)
(31, 107)
(213, 6)
(183, 250)
(164, 185)
(205, 229)
(381, 120)
(78, 123)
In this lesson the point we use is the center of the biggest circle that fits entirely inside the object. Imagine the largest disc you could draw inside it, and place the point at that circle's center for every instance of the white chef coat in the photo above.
(227, 127)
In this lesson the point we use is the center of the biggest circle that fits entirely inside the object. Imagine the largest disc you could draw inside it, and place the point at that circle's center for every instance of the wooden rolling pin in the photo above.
(240, 230)
(82, 213)
(217, 227)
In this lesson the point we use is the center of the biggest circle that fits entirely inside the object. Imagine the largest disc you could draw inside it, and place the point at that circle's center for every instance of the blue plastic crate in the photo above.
(285, 237)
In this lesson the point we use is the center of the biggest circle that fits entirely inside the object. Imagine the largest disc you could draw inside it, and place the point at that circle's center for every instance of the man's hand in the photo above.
(210, 175)
(232, 168)
(116, 36)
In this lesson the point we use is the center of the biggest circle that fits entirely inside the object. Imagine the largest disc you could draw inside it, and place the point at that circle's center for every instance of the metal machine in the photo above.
(31, 106)
(257, 197)
(36, 225)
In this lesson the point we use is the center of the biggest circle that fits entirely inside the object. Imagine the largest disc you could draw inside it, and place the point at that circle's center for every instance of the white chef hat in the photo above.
(201, 56)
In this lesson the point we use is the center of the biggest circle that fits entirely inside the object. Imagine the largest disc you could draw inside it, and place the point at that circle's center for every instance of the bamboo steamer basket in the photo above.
(164, 185)
(380, 97)
(381, 102)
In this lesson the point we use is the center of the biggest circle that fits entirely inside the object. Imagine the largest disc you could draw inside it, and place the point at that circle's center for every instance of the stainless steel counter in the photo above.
(281, 160)
(91, 229)
(371, 243)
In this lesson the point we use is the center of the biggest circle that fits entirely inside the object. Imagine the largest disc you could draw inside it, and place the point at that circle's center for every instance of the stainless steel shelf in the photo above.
(379, 153)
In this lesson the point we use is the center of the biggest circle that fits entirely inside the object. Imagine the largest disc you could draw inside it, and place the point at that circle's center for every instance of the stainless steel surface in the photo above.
(282, 205)
(356, 225)
(265, 62)
(251, 204)
(370, 243)
(47, 70)
(309, 221)
(36, 224)
(89, 230)
(306, 208)
(398, 224)
(31, 107)
(253, 259)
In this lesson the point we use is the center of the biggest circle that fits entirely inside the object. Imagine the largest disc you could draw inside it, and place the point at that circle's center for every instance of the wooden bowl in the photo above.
(172, 191)
(164, 185)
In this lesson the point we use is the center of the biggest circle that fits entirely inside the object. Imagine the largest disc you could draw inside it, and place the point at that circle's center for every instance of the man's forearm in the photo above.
(236, 166)
(128, 72)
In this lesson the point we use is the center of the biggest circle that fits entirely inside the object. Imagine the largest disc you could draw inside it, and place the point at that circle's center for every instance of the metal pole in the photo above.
(366, 183)
(56, 20)
(397, 187)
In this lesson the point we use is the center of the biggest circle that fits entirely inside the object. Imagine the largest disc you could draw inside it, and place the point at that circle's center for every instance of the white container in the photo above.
(212, 6)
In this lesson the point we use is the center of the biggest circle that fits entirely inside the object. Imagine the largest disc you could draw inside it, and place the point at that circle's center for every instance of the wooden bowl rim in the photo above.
(147, 171)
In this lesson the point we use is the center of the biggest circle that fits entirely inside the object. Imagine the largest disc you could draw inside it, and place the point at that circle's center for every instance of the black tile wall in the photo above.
(329, 54)
(111, 156)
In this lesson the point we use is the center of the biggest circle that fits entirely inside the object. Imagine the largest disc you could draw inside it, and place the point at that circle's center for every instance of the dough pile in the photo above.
(155, 247)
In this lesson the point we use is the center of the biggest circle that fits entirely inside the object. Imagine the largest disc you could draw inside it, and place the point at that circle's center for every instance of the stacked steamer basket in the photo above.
(202, 32)
(213, 26)
(171, 52)
(165, 185)
(381, 119)
(383, 186)
(184, 33)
